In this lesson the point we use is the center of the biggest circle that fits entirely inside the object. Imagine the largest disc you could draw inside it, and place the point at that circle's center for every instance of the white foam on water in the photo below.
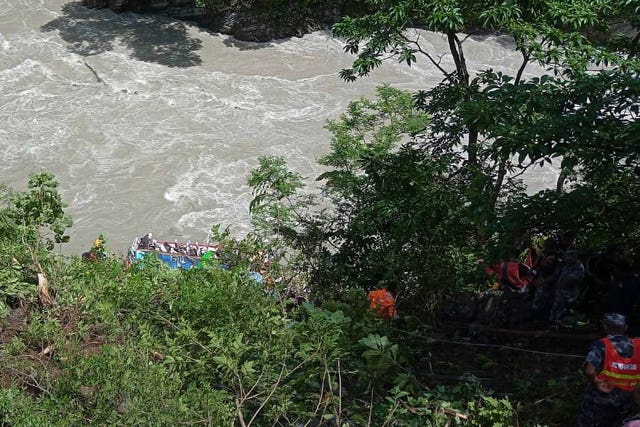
(4, 43)
(207, 178)
(86, 196)
(28, 68)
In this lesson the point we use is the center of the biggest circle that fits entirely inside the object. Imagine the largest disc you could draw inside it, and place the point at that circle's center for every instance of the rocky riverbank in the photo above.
(248, 20)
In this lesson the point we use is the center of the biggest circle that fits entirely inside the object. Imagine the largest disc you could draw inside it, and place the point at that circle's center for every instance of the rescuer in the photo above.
(383, 302)
(613, 369)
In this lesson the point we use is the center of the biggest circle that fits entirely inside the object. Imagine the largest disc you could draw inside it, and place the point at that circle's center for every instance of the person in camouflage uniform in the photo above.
(634, 421)
(568, 286)
(605, 405)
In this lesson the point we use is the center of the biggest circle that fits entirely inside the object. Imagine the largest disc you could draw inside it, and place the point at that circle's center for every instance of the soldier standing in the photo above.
(613, 369)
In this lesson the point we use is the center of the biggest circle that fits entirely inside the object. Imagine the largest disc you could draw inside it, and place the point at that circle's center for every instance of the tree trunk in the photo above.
(455, 46)
(43, 291)
(561, 179)
(564, 173)
(472, 149)
(502, 172)
(462, 74)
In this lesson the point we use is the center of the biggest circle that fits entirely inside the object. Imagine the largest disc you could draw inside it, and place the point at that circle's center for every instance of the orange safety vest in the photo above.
(383, 301)
(510, 273)
(621, 372)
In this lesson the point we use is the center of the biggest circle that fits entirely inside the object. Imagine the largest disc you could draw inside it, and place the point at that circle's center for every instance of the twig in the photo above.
(24, 377)
(322, 395)
(326, 368)
(464, 39)
(447, 75)
(239, 412)
(319, 398)
(456, 414)
(537, 402)
(370, 408)
(264, 402)
(249, 395)
(339, 394)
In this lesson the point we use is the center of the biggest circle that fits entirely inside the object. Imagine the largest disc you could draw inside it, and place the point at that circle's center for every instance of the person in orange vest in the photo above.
(97, 251)
(613, 369)
(383, 303)
(510, 272)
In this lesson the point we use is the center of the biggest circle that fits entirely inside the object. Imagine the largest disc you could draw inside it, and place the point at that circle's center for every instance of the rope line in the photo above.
(507, 347)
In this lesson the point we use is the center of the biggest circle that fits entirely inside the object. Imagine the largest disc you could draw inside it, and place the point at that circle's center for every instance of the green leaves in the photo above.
(501, 15)
(407, 55)
(275, 206)
(568, 36)
(31, 222)
(445, 16)
(14, 288)
(40, 209)
(272, 180)
(381, 354)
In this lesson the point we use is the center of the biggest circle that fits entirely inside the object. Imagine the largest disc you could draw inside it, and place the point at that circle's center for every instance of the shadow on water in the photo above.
(150, 38)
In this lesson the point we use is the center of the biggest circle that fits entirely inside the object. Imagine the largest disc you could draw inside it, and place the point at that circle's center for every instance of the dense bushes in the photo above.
(163, 348)
(149, 345)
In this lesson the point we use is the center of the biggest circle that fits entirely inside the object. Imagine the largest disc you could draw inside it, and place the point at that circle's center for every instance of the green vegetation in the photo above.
(418, 188)
(580, 116)
(153, 346)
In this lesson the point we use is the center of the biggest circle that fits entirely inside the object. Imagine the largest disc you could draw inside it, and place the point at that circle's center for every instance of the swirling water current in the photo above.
(153, 124)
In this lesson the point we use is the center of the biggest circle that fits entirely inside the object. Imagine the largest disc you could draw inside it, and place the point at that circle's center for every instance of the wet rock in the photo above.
(249, 21)
(117, 5)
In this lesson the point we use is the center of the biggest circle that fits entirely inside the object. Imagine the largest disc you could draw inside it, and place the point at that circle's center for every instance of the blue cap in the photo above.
(614, 319)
